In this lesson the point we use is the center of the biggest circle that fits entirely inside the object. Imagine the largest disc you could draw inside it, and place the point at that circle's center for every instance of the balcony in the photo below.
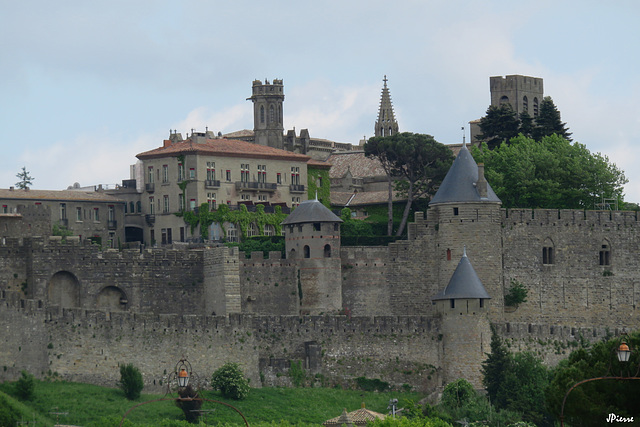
(215, 183)
(112, 224)
(296, 188)
(150, 187)
(256, 186)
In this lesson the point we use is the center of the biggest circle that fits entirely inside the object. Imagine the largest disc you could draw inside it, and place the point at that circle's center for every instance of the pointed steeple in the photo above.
(386, 124)
(464, 284)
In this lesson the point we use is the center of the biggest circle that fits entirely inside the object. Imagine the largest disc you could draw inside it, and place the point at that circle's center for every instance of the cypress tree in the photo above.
(548, 121)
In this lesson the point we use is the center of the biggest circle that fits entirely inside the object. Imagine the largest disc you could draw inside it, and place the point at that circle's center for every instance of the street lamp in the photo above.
(182, 372)
(623, 352)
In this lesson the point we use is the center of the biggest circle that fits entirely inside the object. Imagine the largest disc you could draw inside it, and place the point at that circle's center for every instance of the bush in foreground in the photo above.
(130, 381)
(231, 382)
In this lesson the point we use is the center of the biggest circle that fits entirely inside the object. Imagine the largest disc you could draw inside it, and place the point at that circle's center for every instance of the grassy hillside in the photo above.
(88, 405)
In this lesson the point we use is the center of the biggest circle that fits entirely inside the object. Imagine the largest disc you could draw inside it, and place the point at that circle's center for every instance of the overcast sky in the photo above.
(87, 85)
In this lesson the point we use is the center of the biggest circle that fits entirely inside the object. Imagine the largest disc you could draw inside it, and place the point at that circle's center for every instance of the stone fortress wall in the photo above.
(79, 311)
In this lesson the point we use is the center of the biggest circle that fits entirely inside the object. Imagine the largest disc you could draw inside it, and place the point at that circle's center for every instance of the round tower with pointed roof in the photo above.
(466, 331)
(466, 211)
(312, 240)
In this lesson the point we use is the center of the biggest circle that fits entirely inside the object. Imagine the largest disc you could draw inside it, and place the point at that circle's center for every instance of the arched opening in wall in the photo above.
(535, 107)
(382, 131)
(133, 234)
(548, 252)
(132, 208)
(138, 206)
(272, 114)
(504, 100)
(269, 230)
(262, 114)
(64, 290)
(327, 251)
(111, 298)
(252, 230)
(605, 253)
(292, 254)
(390, 131)
(525, 104)
(307, 251)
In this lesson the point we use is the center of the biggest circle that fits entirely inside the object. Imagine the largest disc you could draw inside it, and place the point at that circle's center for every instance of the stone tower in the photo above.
(467, 212)
(267, 101)
(523, 93)
(386, 124)
(466, 330)
(312, 240)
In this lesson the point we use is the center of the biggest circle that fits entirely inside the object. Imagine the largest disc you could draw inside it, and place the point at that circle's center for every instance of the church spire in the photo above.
(386, 124)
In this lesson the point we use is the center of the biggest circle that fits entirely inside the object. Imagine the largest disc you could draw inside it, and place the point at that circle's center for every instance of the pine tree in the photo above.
(494, 370)
(526, 124)
(499, 125)
(26, 180)
(548, 121)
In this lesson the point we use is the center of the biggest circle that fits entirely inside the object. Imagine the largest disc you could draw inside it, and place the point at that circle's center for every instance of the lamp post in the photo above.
(623, 352)
(181, 375)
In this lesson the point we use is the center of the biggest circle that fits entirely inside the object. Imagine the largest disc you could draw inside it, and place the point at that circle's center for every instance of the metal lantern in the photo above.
(183, 378)
(623, 352)
(183, 373)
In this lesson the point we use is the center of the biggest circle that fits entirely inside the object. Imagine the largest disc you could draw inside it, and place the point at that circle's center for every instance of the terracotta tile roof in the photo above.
(362, 198)
(57, 195)
(355, 161)
(319, 164)
(359, 417)
(238, 133)
(225, 148)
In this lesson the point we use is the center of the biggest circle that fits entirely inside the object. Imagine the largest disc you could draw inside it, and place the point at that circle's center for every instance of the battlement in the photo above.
(564, 217)
(259, 256)
(515, 81)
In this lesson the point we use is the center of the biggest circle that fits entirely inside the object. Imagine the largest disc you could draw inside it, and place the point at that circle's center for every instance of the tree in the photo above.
(418, 160)
(231, 382)
(588, 404)
(527, 124)
(130, 381)
(548, 121)
(25, 386)
(26, 180)
(494, 368)
(380, 148)
(499, 125)
(552, 173)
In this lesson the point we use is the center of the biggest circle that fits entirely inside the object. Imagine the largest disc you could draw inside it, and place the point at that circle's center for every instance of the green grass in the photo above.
(89, 405)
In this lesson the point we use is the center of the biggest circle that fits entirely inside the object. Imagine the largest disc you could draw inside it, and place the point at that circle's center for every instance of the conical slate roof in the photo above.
(464, 284)
(460, 183)
(311, 211)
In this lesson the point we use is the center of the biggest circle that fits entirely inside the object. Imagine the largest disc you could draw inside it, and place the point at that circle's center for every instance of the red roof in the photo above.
(225, 148)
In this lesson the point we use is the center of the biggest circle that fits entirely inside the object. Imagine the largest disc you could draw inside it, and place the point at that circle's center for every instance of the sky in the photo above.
(85, 86)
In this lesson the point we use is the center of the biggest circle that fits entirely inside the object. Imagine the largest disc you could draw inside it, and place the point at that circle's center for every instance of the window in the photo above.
(548, 256)
(295, 201)
(180, 172)
(5, 209)
(182, 234)
(192, 173)
(132, 208)
(112, 213)
(455, 211)
(262, 197)
(228, 177)
(79, 214)
(279, 178)
(307, 251)
(138, 206)
(151, 206)
(165, 174)
(244, 172)
(211, 199)
(192, 204)
(525, 104)
(272, 114)
(327, 251)
(262, 173)
(605, 254)
(211, 171)
(63, 211)
(269, 230)
(535, 107)
(165, 204)
(262, 114)
(232, 233)
(96, 214)
(245, 196)
(150, 175)
(181, 202)
(295, 175)
(252, 230)
(316, 226)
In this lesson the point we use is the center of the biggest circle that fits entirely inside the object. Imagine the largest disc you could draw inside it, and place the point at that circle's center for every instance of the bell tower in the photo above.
(386, 124)
(267, 101)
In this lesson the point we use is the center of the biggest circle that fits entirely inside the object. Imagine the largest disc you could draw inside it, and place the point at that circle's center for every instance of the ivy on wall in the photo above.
(315, 175)
(242, 218)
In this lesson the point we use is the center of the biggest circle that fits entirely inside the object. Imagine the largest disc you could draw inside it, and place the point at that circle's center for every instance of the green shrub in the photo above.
(376, 384)
(517, 294)
(25, 386)
(9, 416)
(130, 381)
(231, 382)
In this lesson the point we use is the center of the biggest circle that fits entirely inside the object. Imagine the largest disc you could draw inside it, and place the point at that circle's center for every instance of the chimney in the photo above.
(481, 184)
